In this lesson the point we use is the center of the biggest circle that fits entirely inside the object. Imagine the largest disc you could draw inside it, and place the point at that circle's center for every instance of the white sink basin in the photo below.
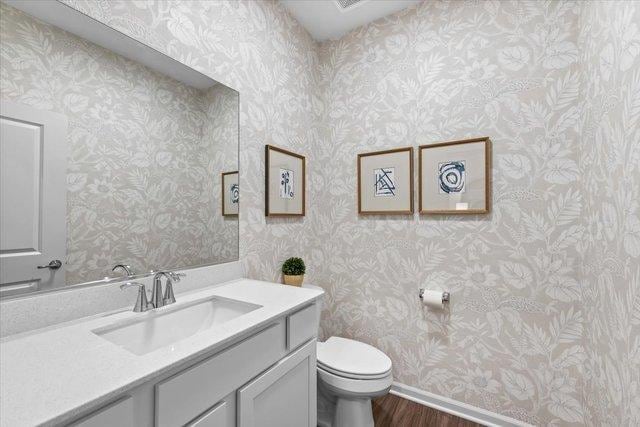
(161, 328)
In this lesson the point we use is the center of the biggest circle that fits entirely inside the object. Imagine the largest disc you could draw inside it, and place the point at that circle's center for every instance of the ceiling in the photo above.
(331, 19)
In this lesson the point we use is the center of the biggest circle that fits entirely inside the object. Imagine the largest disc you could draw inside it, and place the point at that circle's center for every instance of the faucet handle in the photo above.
(169, 297)
(142, 303)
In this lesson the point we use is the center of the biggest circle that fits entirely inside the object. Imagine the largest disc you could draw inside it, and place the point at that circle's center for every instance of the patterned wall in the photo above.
(145, 151)
(514, 339)
(511, 342)
(610, 161)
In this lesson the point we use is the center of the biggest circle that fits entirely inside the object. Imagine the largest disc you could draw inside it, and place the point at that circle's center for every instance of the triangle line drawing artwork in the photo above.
(385, 183)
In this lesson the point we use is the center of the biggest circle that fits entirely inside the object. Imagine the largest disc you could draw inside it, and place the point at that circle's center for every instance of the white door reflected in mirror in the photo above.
(33, 194)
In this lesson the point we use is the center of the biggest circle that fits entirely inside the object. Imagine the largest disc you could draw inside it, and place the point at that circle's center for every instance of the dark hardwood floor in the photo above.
(393, 411)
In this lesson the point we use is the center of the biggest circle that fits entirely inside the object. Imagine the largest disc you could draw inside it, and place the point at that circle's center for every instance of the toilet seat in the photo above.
(352, 359)
(351, 374)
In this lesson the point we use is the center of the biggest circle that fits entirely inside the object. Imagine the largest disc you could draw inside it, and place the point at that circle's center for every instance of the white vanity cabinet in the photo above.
(265, 379)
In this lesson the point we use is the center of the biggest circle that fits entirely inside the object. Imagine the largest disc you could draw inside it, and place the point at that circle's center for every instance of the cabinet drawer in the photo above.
(302, 326)
(119, 413)
(191, 392)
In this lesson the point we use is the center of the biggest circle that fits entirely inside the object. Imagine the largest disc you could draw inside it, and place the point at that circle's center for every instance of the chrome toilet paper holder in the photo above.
(445, 295)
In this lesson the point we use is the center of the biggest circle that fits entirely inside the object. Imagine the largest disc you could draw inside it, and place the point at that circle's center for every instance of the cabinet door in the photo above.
(283, 396)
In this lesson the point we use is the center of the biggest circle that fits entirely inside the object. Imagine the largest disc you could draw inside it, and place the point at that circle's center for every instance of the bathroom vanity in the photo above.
(127, 173)
(226, 355)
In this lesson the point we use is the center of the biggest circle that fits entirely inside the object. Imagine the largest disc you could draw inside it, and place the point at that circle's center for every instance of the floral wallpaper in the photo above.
(145, 151)
(511, 341)
(610, 161)
(531, 331)
(543, 326)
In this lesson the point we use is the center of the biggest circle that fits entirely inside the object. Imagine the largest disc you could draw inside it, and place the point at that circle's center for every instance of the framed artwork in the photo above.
(284, 182)
(455, 177)
(230, 193)
(385, 182)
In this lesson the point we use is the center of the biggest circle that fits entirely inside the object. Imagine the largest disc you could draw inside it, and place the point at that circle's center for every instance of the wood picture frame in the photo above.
(284, 203)
(366, 205)
(423, 203)
(227, 198)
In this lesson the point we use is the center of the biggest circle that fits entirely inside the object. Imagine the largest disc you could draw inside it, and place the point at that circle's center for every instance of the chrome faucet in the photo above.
(158, 299)
(142, 303)
(127, 269)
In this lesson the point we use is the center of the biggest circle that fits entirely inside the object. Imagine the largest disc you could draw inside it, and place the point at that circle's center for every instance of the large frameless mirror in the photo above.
(111, 154)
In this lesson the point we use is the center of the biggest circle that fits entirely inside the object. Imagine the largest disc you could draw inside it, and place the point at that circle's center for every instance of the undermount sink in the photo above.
(170, 325)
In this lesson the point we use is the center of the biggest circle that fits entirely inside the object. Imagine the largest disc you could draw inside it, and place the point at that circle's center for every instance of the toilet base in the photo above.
(339, 408)
(326, 407)
(353, 413)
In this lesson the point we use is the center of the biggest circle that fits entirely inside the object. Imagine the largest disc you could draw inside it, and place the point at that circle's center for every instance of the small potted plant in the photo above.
(293, 270)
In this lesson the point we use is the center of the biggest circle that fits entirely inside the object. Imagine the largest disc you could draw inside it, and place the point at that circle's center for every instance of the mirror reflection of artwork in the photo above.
(451, 177)
(384, 181)
(235, 194)
(230, 193)
(454, 177)
(285, 182)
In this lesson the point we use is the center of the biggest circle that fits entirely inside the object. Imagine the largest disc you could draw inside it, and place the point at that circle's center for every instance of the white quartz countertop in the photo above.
(52, 375)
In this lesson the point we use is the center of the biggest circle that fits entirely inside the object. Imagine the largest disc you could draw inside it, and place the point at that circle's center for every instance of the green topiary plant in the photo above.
(293, 267)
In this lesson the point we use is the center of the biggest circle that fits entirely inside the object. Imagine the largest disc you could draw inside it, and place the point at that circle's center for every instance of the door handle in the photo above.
(54, 265)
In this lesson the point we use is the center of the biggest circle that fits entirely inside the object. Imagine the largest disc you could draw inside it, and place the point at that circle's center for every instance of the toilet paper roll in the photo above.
(432, 299)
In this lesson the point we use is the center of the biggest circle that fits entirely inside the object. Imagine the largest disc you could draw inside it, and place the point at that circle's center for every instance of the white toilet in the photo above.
(350, 374)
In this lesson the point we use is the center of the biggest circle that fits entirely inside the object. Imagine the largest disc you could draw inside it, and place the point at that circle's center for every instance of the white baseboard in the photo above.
(453, 407)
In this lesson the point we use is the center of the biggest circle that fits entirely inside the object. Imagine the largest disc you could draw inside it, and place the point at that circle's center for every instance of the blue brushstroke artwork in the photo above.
(235, 193)
(286, 184)
(452, 177)
(385, 182)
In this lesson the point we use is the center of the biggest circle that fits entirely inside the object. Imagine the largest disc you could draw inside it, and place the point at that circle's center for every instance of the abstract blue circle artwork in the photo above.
(452, 177)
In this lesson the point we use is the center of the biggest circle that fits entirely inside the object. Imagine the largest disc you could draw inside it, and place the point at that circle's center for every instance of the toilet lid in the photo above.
(352, 357)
